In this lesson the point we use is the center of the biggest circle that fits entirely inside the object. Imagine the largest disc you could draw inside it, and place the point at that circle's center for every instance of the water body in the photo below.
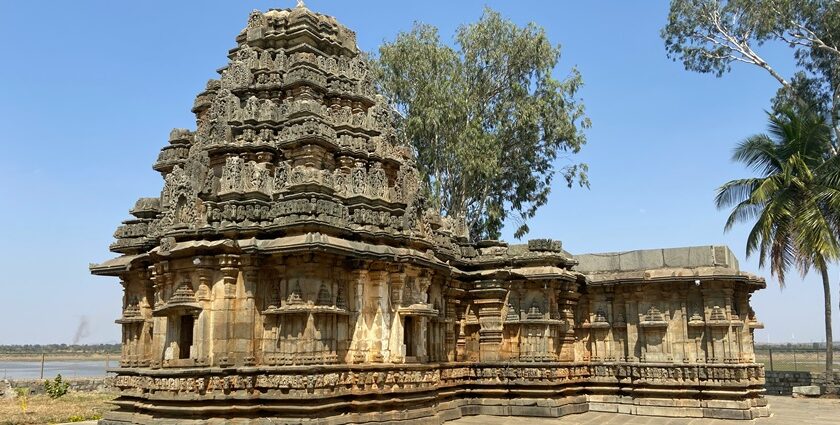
(67, 369)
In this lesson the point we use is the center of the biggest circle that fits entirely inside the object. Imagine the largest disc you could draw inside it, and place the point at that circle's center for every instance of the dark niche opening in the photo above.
(185, 336)
(408, 336)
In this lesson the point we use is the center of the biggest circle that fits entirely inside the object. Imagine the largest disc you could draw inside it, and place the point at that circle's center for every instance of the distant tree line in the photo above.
(794, 346)
(60, 349)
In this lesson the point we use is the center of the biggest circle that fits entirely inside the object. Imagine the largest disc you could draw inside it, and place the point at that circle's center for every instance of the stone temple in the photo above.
(289, 273)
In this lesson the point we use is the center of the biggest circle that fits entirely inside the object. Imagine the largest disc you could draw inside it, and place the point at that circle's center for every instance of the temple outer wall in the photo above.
(673, 341)
(681, 305)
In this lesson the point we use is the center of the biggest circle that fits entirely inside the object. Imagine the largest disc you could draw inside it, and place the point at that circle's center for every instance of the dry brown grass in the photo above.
(41, 409)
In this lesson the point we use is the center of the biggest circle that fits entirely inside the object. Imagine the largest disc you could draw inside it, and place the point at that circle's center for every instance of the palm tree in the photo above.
(795, 201)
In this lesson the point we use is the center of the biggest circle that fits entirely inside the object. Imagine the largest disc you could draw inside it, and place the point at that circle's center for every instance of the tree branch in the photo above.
(744, 49)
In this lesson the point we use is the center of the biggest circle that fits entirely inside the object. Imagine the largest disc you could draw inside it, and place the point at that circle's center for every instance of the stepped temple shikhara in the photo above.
(290, 273)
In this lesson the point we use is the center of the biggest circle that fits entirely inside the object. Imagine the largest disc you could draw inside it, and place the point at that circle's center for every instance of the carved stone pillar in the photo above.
(246, 313)
(732, 352)
(273, 293)
(452, 301)
(511, 326)
(160, 277)
(203, 325)
(567, 299)
(128, 347)
(489, 299)
(377, 299)
(205, 274)
(449, 333)
(714, 331)
(685, 342)
(361, 316)
(460, 334)
(223, 307)
(395, 342)
(634, 339)
(424, 282)
(747, 316)
(397, 284)
(229, 265)
(609, 342)
(618, 321)
(156, 282)
(146, 304)
(422, 329)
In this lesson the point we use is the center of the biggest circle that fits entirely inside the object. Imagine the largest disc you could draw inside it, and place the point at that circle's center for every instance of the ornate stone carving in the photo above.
(291, 255)
(238, 75)
(232, 175)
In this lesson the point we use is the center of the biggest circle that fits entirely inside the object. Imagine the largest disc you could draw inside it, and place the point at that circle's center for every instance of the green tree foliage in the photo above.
(488, 120)
(57, 387)
(794, 201)
(710, 35)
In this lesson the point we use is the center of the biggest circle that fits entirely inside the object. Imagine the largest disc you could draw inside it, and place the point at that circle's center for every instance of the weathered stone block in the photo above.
(677, 412)
(728, 404)
(604, 407)
(677, 257)
(806, 391)
(728, 414)
(598, 262)
(641, 260)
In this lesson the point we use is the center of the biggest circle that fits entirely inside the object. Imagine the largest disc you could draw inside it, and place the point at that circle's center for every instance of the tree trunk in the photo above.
(835, 120)
(829, 340)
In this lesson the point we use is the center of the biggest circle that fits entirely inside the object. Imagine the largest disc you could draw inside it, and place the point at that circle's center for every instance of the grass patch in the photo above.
(73, 407)
(799, 361)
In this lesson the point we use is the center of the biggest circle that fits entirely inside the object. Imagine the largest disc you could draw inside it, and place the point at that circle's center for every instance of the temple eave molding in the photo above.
(675, 275)
(305, 243)
(116, 265)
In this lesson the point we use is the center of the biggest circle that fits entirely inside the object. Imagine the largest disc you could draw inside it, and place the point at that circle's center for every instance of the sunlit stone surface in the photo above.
(290, 273)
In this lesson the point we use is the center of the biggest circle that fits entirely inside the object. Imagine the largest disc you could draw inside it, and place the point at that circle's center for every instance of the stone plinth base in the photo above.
(434, 393)
(745, 409)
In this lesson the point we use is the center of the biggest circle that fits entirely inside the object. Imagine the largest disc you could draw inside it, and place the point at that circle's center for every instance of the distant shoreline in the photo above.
(28, 357)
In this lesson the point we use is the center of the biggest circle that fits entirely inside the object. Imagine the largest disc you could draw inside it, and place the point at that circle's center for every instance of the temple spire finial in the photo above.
(300, 3)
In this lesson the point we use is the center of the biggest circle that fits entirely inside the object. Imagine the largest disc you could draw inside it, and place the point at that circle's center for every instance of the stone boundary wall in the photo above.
(782, 383)
(36, 386)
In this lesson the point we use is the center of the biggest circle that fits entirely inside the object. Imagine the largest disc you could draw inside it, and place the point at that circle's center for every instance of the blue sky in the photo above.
(89, 91)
